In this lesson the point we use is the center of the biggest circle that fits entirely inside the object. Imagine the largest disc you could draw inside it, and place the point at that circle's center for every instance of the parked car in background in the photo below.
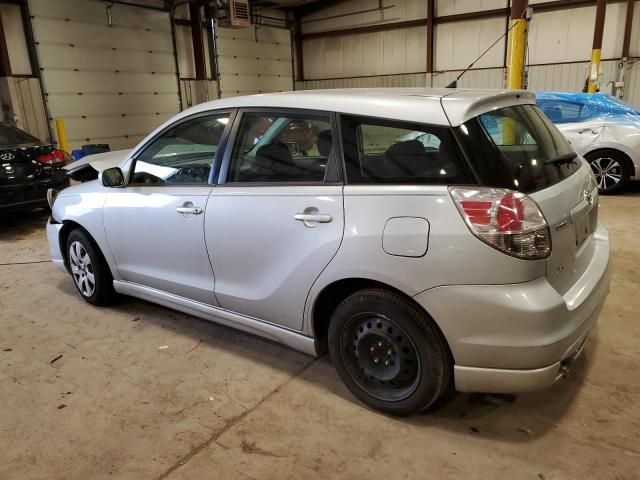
(429, 239)
(28, 168)
(603, 129)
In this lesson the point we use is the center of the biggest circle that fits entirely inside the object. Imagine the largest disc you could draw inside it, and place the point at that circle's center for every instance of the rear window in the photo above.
(518, 148)
(13, 136)
(380, 151)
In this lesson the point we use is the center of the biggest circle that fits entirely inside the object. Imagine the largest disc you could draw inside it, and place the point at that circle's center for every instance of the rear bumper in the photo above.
(519, 337)
(30, 195)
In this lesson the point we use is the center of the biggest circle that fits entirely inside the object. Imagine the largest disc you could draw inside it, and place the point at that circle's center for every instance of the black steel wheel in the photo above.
(388, 352)
(611, 169)
(380, 356)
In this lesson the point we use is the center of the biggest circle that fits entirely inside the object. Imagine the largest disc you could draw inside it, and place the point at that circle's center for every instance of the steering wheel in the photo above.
(197, 174)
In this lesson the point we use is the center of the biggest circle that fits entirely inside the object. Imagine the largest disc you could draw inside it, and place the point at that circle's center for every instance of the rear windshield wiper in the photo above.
(567, 158)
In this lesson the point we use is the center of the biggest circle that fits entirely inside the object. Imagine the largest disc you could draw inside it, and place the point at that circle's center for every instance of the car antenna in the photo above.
(454, 83)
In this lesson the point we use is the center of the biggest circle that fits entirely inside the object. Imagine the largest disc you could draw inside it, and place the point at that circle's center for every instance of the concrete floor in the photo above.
(220, 404)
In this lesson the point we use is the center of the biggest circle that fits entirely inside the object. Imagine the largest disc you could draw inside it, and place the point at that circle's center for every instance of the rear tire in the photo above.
(388, 352)
(612, 170)
(89, 269)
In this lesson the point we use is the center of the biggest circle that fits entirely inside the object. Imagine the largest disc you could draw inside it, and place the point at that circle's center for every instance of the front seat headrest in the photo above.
(273, 156)
(325, 142)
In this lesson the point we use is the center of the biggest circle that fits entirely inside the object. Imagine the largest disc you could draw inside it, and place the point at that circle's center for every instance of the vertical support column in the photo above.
(176, 63)
(594, 70)
(7, 114)
(626, 44)
(198, 52)
(517, 43)
(430, 37)
(297, 40)
(5, 66)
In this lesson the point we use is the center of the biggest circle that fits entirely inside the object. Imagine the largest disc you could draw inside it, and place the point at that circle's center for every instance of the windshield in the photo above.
(518, 148)
(13, 136)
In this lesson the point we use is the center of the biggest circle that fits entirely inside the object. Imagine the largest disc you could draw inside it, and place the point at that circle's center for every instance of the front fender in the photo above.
(83, 206)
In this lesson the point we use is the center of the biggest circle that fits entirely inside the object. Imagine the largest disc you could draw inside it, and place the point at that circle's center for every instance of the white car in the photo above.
(603, 129)
(428, 239)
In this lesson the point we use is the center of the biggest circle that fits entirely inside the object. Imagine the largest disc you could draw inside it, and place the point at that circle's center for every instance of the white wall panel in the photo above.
(569, 77)
(30, 109)
(453, 7)
(485, 78)
(254, 61)
(561, 35)
(15, 38)
(110, 84)
(457, 44)
(378, 53)
(635, 32)
(632, 84)
(402, 10)
(407, 80)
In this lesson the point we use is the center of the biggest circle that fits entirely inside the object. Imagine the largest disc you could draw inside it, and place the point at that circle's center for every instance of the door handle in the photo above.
(313, 217)
(189, 208)
(192, 210)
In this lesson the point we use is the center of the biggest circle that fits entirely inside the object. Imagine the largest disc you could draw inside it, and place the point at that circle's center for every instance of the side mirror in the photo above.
(112, 177)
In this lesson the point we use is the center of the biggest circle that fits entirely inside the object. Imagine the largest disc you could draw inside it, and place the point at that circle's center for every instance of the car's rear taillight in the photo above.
(508, 221)
(55, 157)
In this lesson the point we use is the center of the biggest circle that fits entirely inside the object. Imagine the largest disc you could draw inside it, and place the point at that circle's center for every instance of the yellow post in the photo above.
(594, 71)
(516, 51)
(598, 30)
(62, 135)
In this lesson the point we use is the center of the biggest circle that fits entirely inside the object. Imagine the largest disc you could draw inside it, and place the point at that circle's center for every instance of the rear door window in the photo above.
(380, 151)
(518, 148)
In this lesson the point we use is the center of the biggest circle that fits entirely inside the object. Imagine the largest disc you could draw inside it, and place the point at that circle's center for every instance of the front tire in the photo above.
(388, 352)
(89, 270)
(612, 170)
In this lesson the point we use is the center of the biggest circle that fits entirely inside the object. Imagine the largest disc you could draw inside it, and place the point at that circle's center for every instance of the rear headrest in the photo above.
(273, 156)
(406, 158)
(325, 142)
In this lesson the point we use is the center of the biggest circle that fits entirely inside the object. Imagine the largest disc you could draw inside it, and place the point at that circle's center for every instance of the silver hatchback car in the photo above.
(428, 239)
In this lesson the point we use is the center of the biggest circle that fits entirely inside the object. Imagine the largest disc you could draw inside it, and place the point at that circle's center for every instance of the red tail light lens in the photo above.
(510, 213)
(506, 220)
(56, 157)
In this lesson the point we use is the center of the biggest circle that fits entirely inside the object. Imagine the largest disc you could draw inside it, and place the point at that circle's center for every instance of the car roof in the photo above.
(421, 105)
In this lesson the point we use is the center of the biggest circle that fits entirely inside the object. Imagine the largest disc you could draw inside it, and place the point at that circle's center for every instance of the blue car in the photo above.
(601, 128)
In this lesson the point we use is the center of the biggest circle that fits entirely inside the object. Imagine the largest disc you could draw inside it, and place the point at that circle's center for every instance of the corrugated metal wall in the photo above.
(398, 57)
(110, 84)
(254, 60)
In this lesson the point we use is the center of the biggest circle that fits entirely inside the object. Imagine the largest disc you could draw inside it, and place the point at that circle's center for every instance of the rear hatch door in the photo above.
(571, 209)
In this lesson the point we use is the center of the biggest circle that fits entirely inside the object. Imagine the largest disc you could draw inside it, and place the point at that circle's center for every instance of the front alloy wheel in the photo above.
(89, 269)
(610, 169)
(82, 269)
